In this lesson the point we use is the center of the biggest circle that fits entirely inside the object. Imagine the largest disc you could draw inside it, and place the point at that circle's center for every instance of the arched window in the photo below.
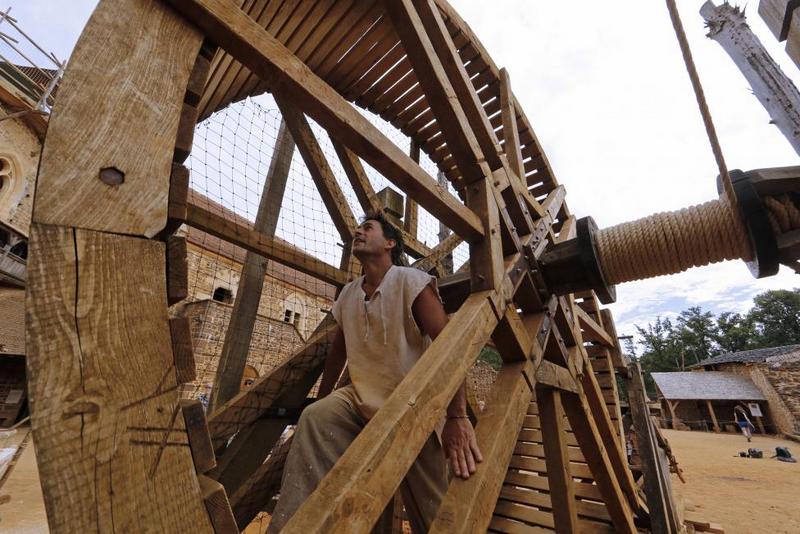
(294, 311)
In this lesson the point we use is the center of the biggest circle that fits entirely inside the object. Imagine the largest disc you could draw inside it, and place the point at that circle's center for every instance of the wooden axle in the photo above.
(763, 230)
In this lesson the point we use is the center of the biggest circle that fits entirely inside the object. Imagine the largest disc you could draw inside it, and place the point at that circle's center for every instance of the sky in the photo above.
(606, 91)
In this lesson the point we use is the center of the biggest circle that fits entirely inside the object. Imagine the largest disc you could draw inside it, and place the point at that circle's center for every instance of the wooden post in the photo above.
(233, 358)
(411, 215)
(776, 92)
(675, 421)
(554, 435)
(713, 415)
(657, 485)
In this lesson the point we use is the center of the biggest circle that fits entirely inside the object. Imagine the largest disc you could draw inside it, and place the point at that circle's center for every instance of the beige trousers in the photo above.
(325, 430)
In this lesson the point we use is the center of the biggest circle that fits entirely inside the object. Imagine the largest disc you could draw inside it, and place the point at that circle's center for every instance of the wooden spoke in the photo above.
(468, 504)
(320, 170)
(562, 492)
(264, 245)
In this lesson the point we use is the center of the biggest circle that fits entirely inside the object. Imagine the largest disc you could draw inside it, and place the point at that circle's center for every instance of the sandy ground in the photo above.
(24, 513)
(743, 495)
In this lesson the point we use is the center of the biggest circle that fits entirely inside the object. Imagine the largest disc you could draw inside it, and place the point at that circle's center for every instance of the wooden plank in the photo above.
(264, 55)
(358, 178)
(119, 118)
(354, 493)
(591, 330)
(555, 376)
(248, 406)
(524, 480)
(661, 508)
(536, 450)
(542, 500)
(411, 215)
(441, 250)
(177, 270)
(182, 351)
(468, 504)
(236, 347)
(219, 509)
(459, 78)
(510, 129)
(485, 255)
(320, 170)
(551, 414)
(194, 417)
(264, 245)
(594, 451)
(511, 338)
(777, 15)
(177, 205)
(439, 91)
(255, 495)
(111, 449)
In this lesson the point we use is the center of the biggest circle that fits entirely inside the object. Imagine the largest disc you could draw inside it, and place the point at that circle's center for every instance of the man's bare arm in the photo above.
(334, 363)
(458, 436)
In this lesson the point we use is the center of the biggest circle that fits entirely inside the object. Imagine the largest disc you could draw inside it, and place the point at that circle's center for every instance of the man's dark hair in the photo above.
(390, 231)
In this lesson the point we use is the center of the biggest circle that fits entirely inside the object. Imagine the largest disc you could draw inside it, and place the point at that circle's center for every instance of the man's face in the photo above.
(370, 241)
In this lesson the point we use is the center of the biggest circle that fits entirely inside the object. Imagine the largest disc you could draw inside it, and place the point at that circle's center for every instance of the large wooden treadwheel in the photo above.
(112, 441)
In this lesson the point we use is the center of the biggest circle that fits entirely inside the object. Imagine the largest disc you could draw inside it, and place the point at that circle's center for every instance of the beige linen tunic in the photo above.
(381, 337)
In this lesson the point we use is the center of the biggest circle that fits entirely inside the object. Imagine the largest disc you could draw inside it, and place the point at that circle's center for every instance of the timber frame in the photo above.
(117, 449)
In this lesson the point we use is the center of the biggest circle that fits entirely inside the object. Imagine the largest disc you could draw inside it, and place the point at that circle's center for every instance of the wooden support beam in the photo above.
(469, 504)
(252, 444)
(318, 167)
(102, 385)
(218, 506)
(178, 198)
(358, 178)
(584, 428)
(437, 253)
(511, 338)
(266, 57)
(713, 415)
(460, 81)
(562, 491)
(510, 129)
(555, 376)
(439, 92)
(354, 493)
(236, 347)
(177, 270)
(248, 406)
(591, 330)
(255, 495)
(485, 256)
(134, 136)
(661, 508)
(411, 215)
(182, 351)
(264, 245)
(194, 416)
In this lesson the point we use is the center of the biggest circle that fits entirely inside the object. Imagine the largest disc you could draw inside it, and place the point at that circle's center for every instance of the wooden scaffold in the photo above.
(116, 446)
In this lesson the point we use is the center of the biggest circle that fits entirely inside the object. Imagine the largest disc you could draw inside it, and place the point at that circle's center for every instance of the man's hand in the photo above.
(461, 447)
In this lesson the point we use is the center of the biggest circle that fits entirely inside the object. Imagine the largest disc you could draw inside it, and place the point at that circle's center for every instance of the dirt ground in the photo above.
(743, 495)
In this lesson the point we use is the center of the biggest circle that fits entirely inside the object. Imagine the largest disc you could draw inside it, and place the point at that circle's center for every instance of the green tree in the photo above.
(776, 317)
(660, 352)
(695, 332)
(735, 332)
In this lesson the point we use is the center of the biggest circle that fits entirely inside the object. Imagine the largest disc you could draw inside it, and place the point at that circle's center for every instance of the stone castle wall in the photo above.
(19, 160)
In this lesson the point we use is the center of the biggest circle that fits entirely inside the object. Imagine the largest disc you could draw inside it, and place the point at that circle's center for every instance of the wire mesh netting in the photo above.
(230, 163)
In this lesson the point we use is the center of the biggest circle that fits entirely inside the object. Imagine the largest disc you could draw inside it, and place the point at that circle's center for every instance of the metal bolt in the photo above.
(111, 176)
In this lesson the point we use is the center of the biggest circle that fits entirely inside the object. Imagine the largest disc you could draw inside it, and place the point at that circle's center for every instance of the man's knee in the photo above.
(328, 411)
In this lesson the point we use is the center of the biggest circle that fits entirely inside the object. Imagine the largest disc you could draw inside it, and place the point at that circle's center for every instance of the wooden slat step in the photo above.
(537, 451)
(508, 526)
(538, 465)
(535, 436)
(582, 489)
(588, 509)
(543, 519)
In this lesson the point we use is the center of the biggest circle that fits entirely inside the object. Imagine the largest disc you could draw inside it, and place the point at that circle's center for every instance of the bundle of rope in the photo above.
(671, 242)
